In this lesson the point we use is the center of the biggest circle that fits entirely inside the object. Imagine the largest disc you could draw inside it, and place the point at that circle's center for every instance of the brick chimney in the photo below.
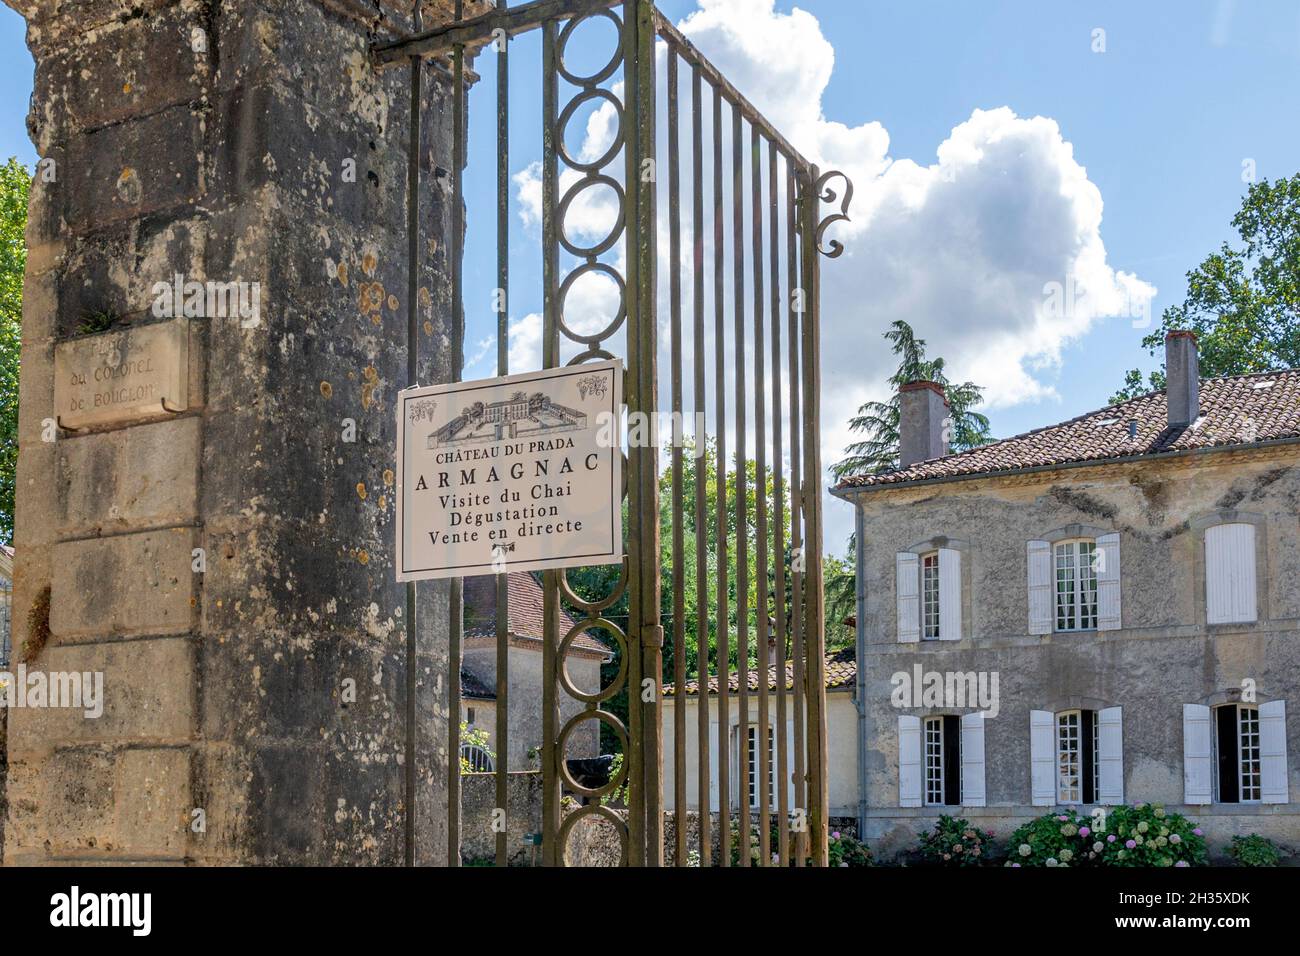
(1182, 369)
(923, 412)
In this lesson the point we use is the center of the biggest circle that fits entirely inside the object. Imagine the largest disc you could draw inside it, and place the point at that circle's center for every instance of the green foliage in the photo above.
(955, 841)
(618, 796)
(97, 320)
(15, 182)
(845, 850)
(595, 583)
(1243, 302)
(1255, 850)
(1141, 835)
(839, 584)
(473, 738)
(878, 421)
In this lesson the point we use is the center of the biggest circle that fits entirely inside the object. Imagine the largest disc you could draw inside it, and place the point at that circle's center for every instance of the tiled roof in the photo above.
(526, 605)
(475, 689)
(841, 671)
(1234, 411)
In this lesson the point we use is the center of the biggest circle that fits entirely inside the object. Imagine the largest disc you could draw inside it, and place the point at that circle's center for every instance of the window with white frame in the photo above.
(1075, 564)
(752, 773)
(1077, 767)
(1238, 754)
(930, 596)
(942, 761)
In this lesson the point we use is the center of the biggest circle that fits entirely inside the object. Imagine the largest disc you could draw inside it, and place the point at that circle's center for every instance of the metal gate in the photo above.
(748, 336)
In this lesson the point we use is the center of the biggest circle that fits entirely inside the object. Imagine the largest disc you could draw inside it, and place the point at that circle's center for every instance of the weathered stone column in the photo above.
(228, 566)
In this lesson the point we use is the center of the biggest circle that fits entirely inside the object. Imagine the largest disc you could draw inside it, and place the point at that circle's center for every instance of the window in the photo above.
(930, 596)
(751, 777)
(929, 592)
(942, 761)
(1230, 574)
(1077, 767)
(1240, 777)
(1076, 585)
(471, 717)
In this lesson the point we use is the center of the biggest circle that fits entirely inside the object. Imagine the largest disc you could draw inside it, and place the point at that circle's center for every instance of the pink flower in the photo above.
(1015, 866)
(1198, 832)
(1131, 844)
(1084, 831)
(836, 834)
(1111, 838)
(1182, 863)
(1062, 818)
(1175, 838)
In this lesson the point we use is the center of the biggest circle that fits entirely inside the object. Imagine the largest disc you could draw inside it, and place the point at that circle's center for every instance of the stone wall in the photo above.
(216, 141)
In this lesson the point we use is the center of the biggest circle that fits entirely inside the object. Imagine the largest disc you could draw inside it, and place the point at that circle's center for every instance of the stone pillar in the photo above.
(227, 567)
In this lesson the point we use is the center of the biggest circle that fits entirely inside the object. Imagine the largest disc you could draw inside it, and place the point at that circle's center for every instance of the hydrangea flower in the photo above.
(1198, 832)
(1111, 838)
(1066, 856)
(1025, 849)
(1098, 847)
(1084, 831)
(1051, 861)
(1143, 827)
(1131, 844)
(1182, 863)
(1175, 838)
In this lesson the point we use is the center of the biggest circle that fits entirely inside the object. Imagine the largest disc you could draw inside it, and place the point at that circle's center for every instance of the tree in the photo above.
(15, 182)
(1243, 302)
(878, 450)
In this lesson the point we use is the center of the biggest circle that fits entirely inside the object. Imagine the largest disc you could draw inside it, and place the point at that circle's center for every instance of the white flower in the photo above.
(1051, 861)
(1025, 849)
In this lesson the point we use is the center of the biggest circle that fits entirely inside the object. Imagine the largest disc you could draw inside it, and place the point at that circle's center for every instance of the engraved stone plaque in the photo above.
(122, 376)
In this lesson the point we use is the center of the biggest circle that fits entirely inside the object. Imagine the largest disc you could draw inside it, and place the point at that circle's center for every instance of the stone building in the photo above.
(223, 558)
(524, 691)
(1127, 584)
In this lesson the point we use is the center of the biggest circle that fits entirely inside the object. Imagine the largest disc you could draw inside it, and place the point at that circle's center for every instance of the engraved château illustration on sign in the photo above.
(519, 473)
(516, 417)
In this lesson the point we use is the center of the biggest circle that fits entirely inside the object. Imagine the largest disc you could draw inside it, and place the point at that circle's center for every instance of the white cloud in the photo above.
(969, 248)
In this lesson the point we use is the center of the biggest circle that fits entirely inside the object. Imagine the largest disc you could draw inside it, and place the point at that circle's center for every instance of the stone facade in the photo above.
(228, 567)
(1162, 656)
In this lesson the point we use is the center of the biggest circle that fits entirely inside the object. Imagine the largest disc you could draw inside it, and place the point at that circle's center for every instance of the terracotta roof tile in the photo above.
(526, 606)
(841, 671)
(1234, 411)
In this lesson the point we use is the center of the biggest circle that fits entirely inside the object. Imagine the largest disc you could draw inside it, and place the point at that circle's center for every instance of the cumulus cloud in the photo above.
(992, 249)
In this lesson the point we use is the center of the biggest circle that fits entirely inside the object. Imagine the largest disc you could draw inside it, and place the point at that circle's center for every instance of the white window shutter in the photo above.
(1230, 574)
(1110, 756)
(789, 762)
(1042, 757)
(1108, 610)
(1198, 736)
(972, 760)
(1272, 752)
(908, 588)
(909, 761)
(949, 595)
(1040, 587)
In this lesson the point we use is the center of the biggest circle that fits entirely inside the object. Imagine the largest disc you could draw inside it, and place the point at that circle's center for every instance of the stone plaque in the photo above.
(520, 473)
(122, 376)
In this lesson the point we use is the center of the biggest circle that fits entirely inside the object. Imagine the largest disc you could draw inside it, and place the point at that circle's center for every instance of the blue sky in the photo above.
(1146, 141)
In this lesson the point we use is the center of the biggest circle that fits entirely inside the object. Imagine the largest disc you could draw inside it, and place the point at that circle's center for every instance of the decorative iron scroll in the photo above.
(822, 190)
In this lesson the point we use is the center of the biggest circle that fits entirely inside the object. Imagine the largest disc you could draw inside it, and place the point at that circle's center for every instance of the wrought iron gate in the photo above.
(750, 336)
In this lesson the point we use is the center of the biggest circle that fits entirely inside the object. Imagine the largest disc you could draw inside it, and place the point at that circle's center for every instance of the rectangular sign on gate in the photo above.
(520, 473)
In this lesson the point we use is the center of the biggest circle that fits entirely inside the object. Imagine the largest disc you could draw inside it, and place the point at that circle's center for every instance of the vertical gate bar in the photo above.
(701, 476)
(456, 601)
(552, 853)
(778, 500)
(412, 379)
(819, 807)
(797, 297)
(720, 478)
(678, 545)
(742, 493)
(761, 786)
(503, 368)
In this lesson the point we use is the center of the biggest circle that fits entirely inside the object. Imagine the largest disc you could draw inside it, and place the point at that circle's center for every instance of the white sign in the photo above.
(520, 473)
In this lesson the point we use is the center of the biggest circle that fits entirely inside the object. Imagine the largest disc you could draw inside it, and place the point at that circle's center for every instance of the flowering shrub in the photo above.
(1254, 850)
(848, 851)
(955, 842)
(1139, 835)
